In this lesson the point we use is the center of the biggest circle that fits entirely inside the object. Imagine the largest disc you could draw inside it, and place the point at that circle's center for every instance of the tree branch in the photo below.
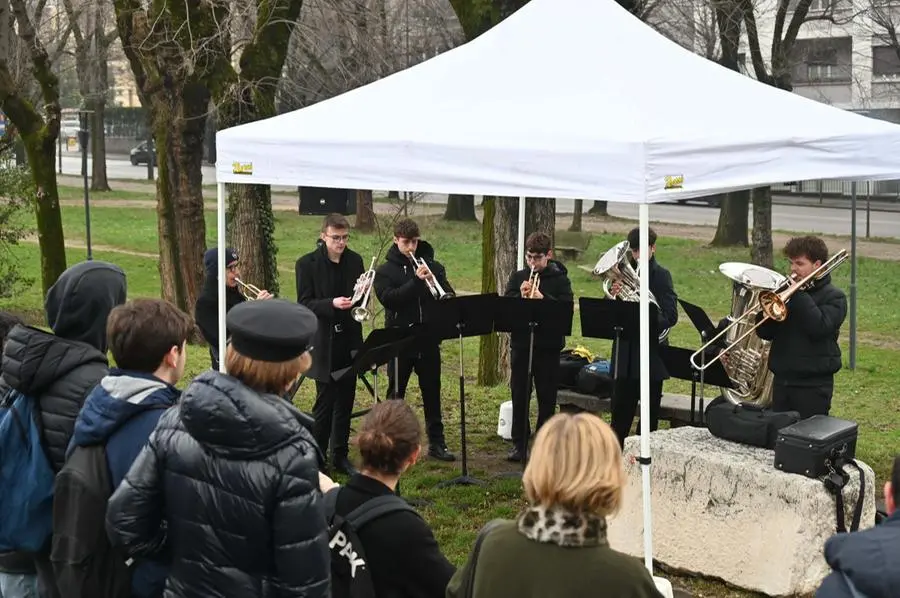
(42, 69)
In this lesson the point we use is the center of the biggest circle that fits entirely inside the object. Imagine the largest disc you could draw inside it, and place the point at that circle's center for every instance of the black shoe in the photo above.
(345, 466)
(439, 451)
(517, 455)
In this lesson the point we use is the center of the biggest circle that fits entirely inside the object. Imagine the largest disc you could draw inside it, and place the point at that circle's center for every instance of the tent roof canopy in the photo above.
(569, 99)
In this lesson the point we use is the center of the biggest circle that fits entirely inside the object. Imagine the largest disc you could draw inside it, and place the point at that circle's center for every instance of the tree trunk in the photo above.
(460, 207)
(489, 344)
(733, 223)
(506, 216)
(365, 211)
(179, 126)
(599, 209)
(540, 216)
(40, 150)
(576, 216)
(99, 181)
(761, 250)
(251, 231)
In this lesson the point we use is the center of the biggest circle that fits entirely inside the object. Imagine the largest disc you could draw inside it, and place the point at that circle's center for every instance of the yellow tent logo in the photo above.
(675, 181)
(242, 167)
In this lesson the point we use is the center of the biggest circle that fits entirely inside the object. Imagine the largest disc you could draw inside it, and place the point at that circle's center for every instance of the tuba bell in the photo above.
(615, 266)
(747, 364)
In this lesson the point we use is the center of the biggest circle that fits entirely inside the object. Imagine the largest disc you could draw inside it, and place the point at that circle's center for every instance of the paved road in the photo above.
(785, 217)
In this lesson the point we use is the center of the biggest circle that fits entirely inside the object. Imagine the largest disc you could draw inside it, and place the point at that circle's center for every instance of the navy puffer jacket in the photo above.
(228, 486)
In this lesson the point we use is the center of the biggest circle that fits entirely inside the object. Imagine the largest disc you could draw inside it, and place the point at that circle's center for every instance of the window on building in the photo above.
(885, 61)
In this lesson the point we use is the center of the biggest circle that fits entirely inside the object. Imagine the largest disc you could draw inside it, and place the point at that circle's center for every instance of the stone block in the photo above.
(721, 510)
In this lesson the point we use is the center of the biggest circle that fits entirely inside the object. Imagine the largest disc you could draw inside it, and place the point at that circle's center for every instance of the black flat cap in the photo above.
(272, 330)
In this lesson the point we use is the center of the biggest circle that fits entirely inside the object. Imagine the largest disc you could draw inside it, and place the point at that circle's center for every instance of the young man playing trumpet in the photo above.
(543, 279)
(206, 309)
(804, 354)
(325, 280)
(403, 288)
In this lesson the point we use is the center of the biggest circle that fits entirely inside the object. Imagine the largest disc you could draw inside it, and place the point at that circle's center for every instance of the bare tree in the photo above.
(38, 129)
(93, 34)
(177, 51)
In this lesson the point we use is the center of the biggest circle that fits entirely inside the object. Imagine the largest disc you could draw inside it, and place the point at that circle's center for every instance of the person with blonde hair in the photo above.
(557, 546)
(228, 484)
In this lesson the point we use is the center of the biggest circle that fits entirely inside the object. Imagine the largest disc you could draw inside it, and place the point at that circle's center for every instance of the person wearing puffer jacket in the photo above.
(868, 559)
(228, 484)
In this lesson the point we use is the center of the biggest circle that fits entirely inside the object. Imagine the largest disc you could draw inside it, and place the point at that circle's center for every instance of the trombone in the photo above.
(249, 291)
(363, 290)
(437, 291)
(773, 306)
(534, 281)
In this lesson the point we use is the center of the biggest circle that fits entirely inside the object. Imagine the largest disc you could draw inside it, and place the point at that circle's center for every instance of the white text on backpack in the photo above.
(340, 539)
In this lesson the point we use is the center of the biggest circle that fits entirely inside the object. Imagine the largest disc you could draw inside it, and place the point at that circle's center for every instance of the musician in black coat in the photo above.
(554, 285)
(402, 290)
(626, 354)
(325, 280)
(804, 355)
(228, 484)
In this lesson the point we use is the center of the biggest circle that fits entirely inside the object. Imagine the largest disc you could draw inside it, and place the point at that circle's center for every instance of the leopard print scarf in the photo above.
(557, 525)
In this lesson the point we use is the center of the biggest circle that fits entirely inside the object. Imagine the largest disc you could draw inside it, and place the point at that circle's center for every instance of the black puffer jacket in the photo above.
(233, 477)
(805, 348)
(400, 291)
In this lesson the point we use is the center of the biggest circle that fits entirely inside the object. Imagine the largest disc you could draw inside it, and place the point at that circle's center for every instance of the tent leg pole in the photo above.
(643, 264)
(521, 234)
(852, 364)
(220, 239)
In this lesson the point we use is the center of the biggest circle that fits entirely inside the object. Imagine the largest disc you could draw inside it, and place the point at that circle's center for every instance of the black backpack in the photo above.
(84, 561)
(350, 575)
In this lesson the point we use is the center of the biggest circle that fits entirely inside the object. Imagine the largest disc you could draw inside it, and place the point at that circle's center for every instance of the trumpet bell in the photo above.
(360, 314)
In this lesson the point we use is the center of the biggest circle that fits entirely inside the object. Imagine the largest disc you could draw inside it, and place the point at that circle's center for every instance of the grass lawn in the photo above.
(867, 395)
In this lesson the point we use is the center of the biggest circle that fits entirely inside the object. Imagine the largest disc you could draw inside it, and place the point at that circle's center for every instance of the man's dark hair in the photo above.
(634, 238)
(812, 248)
(895, 481)
(142, 331)
(406, 229)
(334, 220)
(538, 243)
(7, 323)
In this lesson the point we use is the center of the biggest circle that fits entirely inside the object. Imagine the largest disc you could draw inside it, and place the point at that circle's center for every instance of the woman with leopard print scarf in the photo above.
(557, 546)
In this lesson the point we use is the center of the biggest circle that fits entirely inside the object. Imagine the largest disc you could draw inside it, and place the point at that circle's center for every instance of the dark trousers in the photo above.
(806, 400)
(427, 364)
(334, 405)
(47, 587)
(625, 399)
(544, 380)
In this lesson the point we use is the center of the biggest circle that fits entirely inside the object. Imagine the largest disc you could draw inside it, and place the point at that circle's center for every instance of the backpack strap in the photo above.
(375, 508)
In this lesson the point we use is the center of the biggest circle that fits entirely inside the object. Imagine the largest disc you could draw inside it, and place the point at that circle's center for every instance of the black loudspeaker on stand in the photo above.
(519, 315)
(461, 317)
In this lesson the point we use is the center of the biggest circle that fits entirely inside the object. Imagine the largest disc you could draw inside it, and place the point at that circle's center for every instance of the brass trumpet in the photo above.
(773, 306)
(534, 280)
(249, 291)
(362, 290)
(437, 291)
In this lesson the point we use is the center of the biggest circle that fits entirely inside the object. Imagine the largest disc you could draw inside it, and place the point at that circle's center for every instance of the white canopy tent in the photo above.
(566, 99)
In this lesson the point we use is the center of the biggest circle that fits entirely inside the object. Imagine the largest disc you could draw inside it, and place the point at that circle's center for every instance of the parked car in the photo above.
(710, 200)
(69, 128)
(143, 153)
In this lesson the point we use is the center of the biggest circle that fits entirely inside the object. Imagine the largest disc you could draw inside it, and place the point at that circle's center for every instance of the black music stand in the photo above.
(678, 363)
(551, 317)
(699, 319)
(615, 320)
(458, 317)
(382, 345)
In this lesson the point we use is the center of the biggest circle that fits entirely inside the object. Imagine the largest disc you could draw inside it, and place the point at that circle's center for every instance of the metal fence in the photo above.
(882, 190)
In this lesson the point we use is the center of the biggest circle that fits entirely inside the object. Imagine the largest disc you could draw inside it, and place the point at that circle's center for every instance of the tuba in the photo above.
(747, 364)
(614, 266)
(362, 293)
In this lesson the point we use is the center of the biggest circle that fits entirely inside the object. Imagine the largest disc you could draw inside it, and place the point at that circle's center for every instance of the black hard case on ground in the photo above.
(807, 446)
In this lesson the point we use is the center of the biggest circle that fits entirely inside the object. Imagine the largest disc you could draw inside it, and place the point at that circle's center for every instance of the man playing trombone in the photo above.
(409, 278)
(804, 354)
(544, 278)
(206, 309)
(326, 278)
